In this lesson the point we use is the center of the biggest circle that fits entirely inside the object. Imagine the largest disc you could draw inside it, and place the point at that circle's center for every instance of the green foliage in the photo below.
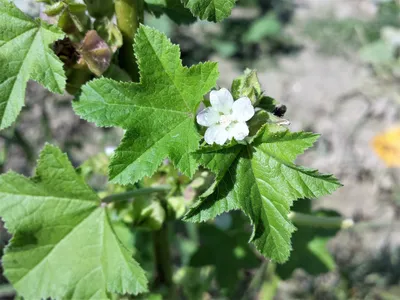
(147, 213)
(231, 256)
(63, 244)
(309, 245)
(262, 180)
(267, 26)
(71, 16)
(377, 52)
(70, 242)
(383, 54)
(341, 36)
(195, 281)
(211, 10)
(335, 36)
(270, 286)
(158, 113)
(100, 8)
(247, 85)
(388, 13)
(250, 38)
(174, 9)
(25, 54)
(97, 164)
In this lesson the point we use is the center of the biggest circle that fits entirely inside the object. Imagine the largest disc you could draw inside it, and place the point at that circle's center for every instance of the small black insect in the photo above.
(280, 111)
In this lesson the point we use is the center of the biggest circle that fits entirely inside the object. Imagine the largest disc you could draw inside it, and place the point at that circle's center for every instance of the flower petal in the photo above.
(216, 134)
(238, 131)
(221, 100)
(208, 117)
(242, 109)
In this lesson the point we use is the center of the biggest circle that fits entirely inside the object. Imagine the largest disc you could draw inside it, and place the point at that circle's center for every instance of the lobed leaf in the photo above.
(262, 181)
(211, 204)
(63, 244)
(158, 113)
(25, 54)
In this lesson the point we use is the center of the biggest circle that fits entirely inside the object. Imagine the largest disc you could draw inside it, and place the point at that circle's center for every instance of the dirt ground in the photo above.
(336, 96)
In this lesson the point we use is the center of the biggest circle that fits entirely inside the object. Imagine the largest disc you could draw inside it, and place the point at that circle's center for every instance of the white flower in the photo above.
(225, 118)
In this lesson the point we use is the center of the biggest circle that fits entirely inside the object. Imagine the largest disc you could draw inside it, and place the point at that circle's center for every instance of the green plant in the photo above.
(255, 32)
(342, 36)
(72, 242)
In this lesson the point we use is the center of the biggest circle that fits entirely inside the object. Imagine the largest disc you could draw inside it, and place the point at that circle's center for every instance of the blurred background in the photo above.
(336, 65)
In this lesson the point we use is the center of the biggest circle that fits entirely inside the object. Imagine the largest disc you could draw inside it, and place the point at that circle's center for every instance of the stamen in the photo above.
(225, 120)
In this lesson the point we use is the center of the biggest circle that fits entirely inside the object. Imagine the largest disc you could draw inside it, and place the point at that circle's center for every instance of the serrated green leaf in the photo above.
(158, 112)
(211, 10)
(263, 182)
(63, 244)
(25, 54)
(219, 160)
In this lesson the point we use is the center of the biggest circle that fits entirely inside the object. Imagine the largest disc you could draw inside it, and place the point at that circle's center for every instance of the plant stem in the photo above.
(20, 139)
(317, 221)
(76, 78)
(162, 254)
(140, 6)
(129, 14)
(128, 195)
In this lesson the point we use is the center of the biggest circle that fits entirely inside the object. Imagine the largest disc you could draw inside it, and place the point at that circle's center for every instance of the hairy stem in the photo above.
(128, 195)
(129, 15)
(317, 221)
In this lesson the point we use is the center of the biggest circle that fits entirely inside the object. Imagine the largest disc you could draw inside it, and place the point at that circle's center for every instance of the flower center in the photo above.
(225, 120)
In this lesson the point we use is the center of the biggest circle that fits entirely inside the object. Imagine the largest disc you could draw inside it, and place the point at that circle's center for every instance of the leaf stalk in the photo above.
(319, 221)
(139, 192)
